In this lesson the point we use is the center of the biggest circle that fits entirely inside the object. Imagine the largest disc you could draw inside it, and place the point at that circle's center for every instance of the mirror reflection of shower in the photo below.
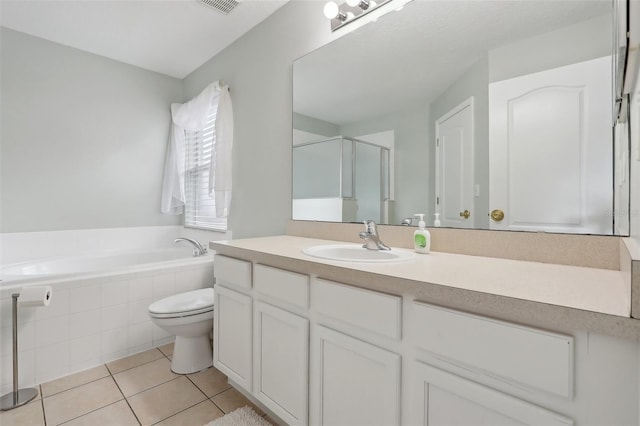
(341, 179)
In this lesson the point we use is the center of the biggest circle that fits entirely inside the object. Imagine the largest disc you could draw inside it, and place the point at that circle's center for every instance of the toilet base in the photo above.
(191, 354)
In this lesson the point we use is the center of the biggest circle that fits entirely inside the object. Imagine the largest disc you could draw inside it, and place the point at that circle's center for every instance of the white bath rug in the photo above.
(244, 416)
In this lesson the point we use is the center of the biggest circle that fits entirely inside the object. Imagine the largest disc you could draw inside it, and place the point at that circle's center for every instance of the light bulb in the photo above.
(362, 4)
(331, 10)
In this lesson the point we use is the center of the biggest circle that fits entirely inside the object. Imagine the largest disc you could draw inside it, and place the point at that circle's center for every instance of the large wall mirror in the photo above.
(493, 114)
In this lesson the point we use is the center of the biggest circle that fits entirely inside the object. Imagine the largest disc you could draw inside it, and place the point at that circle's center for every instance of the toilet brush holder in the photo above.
(19, 396)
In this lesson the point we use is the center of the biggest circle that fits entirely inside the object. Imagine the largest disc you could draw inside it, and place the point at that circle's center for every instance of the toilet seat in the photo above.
(184, 304)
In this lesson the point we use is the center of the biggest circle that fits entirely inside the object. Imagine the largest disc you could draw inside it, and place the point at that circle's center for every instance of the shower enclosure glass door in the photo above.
(340, 179)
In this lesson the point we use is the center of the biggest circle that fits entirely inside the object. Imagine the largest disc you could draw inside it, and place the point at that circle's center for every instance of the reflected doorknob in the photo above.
(497, 215)
(465, 214)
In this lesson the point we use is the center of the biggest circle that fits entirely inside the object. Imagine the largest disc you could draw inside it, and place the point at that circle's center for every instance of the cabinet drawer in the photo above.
(536, 358)
(287, 286)
(228, 270)
(369, 310)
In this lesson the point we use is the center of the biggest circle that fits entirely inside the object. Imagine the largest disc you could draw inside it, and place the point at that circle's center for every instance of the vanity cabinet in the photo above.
(355, 377)
(281, 342)
(356, 383)
(316, 351)
(491, 352)
(280, 362)
(261, 334)
(232, 319)
(232, 335)
(444, 399)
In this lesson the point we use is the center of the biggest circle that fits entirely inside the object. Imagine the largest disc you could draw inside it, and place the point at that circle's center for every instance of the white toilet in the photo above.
(189, 316)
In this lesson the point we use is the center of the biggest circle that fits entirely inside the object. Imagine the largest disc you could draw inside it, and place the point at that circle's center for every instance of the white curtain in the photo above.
(220, 174)
(192, 116)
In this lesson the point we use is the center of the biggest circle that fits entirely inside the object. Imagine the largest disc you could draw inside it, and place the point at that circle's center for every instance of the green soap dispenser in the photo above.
(421, 237)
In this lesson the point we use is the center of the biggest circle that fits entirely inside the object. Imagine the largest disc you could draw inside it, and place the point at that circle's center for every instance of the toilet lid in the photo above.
(191, 302)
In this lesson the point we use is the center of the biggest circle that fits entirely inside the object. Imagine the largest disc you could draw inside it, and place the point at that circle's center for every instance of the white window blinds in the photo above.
(197, 172)
(200, 209)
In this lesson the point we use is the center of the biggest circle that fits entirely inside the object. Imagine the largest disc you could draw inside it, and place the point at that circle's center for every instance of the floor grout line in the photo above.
(195, 384)
(73, 387)
(217, 406)
(133, 412)
(89, 412)
(44, 413)
(222, 391)
(135, 366)
(125, 398)
(112, 375)
(152, 387)
(175, 414)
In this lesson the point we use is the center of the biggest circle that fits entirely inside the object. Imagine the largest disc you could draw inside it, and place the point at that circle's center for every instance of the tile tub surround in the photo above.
(103, 395)
(91, 321)
(560, 297)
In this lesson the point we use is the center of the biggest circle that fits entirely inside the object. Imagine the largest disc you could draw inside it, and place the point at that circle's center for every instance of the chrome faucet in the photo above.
(198, 249)
(371, 238)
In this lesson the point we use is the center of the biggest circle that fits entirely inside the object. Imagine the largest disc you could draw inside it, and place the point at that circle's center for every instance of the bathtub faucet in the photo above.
(198, 249)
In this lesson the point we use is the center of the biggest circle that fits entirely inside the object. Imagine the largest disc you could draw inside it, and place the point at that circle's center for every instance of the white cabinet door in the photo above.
(444, 399)
(281, 366)
(355, 383)
(232, 336)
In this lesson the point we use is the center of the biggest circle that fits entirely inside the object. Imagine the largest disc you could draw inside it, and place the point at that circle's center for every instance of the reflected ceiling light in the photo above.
(332, 11)
(349, 11)
(362, 4)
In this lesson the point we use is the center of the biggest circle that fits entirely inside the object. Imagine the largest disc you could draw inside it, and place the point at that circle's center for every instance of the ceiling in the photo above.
(172, 37)
(412, 57)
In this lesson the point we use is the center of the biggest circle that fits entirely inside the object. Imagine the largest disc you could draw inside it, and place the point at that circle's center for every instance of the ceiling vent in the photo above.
(222, 6)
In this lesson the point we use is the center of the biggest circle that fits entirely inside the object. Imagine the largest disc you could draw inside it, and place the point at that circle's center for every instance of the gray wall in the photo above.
(313, 125)
(258, 69)
(110, 122)
(83, 138)
(554, 49)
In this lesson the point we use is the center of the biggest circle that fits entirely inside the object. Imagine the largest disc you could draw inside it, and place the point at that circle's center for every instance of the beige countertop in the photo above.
(547, 294)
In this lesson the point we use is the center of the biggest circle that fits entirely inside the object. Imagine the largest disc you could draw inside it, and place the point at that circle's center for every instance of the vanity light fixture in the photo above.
(349, 11)
(362, 4)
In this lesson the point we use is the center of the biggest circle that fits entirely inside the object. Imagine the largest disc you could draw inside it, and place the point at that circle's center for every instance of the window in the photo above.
(200, 209)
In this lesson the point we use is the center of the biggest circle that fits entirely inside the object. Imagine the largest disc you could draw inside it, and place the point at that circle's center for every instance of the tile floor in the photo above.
(137, 390)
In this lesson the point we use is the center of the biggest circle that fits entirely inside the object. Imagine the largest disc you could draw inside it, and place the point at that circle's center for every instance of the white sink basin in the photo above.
(356, 253)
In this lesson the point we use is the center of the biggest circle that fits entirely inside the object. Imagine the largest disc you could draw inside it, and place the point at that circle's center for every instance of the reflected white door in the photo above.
(550, 150)
(454, 167)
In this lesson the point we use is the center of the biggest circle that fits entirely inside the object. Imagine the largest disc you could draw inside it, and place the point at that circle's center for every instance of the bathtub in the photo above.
(96, 264)
(98, 310)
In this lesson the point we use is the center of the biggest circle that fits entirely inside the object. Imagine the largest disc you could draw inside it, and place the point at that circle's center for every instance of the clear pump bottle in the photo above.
(436, 221)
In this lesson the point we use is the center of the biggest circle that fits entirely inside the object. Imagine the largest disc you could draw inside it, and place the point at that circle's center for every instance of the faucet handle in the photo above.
(370, 227)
